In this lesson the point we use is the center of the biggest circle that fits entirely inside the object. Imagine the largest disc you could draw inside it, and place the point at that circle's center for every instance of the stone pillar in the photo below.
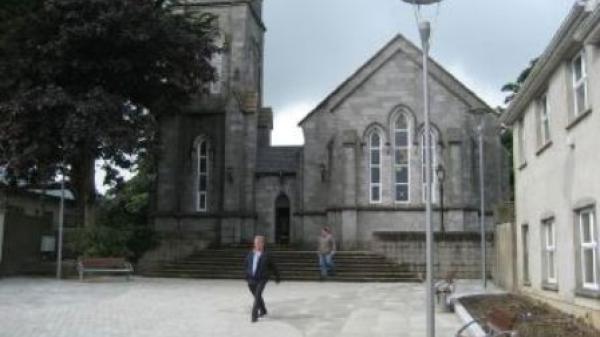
(265, 127)
(349, 218)
(457, 175)
(231, 230)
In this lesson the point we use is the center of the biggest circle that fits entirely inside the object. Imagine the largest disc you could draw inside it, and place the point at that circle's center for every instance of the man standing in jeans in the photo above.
(326, 253)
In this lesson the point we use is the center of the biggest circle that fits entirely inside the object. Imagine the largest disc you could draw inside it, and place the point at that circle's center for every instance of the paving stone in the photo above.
(174, 307)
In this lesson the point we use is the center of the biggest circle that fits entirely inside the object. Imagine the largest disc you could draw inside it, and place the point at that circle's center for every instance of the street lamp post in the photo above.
(61, 220)
(425, 34)
(440, 172)
(480, 129)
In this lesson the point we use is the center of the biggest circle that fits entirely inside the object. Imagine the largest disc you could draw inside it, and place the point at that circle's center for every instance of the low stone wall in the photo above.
(458, 252)
(170, 249)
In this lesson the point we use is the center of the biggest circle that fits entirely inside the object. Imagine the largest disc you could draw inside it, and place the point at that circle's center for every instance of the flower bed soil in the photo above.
(533, 318)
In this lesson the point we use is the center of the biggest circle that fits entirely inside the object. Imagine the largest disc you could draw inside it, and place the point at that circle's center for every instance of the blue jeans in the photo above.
(326, 264)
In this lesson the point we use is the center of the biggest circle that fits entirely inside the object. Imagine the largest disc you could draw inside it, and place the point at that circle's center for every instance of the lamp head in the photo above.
(441, 173)
(425, 32)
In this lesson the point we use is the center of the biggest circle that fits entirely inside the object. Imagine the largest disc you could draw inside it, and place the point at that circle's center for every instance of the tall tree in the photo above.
(87, 79)
(513, 88)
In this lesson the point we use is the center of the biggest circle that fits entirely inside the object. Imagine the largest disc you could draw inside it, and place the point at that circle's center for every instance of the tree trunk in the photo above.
(83, 178)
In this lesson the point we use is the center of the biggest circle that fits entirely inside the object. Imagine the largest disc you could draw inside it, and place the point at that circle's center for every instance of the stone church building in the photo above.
(360, 171)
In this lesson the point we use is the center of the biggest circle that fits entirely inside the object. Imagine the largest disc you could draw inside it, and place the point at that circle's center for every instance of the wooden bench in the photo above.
(501, 323)
(112, 265)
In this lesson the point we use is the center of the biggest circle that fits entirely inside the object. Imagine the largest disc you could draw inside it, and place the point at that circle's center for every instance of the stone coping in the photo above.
(438, 236)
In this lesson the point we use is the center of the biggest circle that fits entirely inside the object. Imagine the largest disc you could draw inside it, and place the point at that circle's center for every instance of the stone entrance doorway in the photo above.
(282, 220)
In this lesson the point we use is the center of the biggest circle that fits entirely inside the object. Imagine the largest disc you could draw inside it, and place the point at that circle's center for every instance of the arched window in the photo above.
(375, 143)
(434, 161)
(402, 159)
(203, 164)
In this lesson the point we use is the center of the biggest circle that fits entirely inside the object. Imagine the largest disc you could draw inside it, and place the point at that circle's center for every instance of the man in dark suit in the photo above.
(259, 266)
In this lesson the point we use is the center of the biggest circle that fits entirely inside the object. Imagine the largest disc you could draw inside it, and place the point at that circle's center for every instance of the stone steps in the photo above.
(284, 267)
(293, 266)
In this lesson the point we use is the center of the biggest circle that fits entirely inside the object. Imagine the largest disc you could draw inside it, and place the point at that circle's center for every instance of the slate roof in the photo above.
(580, 25)
(276, 159)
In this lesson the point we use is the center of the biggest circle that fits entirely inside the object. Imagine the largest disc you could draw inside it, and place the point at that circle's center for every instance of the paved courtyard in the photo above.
(202, 308)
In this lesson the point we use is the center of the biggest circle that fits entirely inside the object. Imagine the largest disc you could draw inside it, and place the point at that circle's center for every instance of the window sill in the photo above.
(526, 284)
(578, 119)
(550, 286)
(588, 293)
(522, 166)
(543, 148)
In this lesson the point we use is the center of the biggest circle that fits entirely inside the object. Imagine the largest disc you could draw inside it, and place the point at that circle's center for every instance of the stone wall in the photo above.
(228, 120)
(170, 249)
(268, 188)
(22, 237)
(336, 140)
(556, 180)
(458, 252)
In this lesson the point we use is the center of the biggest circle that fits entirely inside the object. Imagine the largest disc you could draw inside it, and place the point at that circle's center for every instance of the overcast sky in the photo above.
(312, 46)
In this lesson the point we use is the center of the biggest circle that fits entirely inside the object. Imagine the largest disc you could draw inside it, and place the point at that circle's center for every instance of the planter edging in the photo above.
(475, 329)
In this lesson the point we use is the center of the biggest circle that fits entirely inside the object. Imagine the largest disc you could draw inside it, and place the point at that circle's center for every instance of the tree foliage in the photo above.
(87, 79)
(513, 88)
(123, 225)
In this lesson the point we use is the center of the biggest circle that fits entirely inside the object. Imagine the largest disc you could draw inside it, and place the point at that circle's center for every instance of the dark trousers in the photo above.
(257, 288)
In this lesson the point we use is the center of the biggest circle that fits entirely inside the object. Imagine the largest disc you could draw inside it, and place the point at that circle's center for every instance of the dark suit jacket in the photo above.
(264, 268)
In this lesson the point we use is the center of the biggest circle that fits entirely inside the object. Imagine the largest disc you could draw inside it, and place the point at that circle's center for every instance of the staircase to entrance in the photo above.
(294, 265)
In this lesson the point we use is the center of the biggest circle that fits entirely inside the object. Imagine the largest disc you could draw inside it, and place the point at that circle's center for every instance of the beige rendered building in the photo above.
(556, 124)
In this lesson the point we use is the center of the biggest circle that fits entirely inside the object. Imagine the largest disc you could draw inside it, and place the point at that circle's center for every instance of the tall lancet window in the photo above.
(402, 159)
(203, 164)
(375, 166)
(434, 163)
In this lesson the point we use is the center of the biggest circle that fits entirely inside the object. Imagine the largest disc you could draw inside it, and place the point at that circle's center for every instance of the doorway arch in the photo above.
(282, 220)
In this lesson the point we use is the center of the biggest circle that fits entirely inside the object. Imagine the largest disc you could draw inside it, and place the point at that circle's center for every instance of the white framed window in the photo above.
(588, 243)
(521, 142)
(544, 120)
(434, 164)
(580, 83)
(402, 159)
(202, 169)
(375, 146)
(525, 245)
(549, 246)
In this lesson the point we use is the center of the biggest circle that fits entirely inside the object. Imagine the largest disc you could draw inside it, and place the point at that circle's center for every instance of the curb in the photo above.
(475, 329)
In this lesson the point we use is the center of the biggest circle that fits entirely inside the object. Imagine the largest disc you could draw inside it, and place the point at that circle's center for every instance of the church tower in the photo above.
(205, 183)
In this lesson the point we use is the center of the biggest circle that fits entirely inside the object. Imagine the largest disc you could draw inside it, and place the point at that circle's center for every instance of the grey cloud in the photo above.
(313, 45)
